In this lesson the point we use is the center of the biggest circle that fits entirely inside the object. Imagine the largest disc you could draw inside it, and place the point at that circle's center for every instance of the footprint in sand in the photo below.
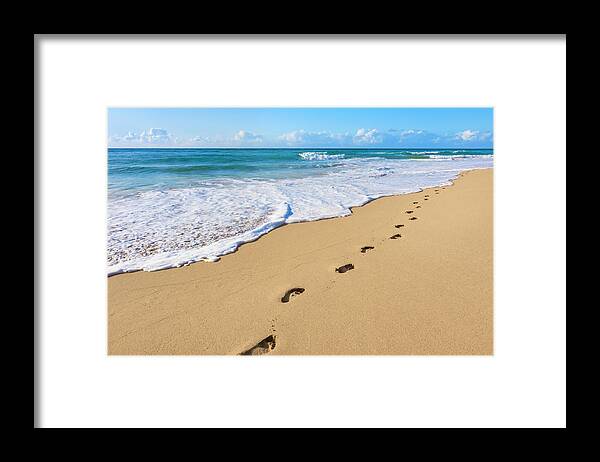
(290, 293)
(265, 346)
(343, 269)
(399, 226)
(412, 218)
(409, 211)
(416, 202)
(418, 207)
(366, 248)
(425, 199)
(395, 236)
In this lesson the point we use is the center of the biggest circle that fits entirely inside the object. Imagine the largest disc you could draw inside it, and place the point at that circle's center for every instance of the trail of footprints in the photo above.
(269, 343)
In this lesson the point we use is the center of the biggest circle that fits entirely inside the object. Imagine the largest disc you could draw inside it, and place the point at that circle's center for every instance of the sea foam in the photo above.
(311, 155)
(157, 229)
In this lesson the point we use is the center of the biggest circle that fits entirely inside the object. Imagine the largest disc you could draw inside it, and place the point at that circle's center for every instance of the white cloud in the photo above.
(293, 137)
(411, 132)
(323, 138)
(155, 136)
(130, 136)
(405, 138)
(247, 137)
(467, 135)
(390, 138)
(368, 136)
(473, 135)
(200, 140)
(410, 137)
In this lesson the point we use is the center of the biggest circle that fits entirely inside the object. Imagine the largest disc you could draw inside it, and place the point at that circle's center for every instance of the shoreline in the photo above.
(450, 182)
(427, 291)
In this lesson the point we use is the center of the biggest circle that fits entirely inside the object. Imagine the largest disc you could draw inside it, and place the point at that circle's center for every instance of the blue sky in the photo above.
(301, 127)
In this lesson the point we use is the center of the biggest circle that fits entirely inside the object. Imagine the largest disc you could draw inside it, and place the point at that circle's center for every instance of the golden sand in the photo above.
(427, 291)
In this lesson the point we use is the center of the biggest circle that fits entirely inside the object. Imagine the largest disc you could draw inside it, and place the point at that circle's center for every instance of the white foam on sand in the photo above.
(154, 230)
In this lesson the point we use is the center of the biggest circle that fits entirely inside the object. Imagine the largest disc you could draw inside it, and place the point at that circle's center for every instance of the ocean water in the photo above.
(171, 207)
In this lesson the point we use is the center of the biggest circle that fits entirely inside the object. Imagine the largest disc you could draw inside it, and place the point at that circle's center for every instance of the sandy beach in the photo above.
(403, 275)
